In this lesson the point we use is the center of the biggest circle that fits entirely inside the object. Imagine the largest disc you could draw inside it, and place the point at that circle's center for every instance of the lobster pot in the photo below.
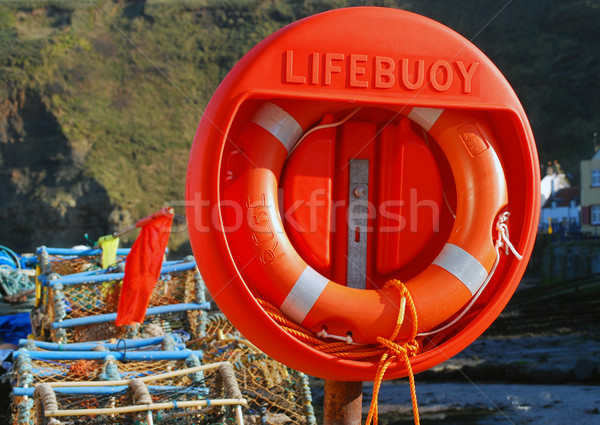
(275, 393)
(35, 367)
(65, 261)
(90, 295)
(168, 342)
(186, 319)
(54, 263)
(79, 307)
(208, 396)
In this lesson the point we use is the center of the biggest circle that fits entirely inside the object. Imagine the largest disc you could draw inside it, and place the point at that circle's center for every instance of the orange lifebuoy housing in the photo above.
(392, 63)
(280, 276)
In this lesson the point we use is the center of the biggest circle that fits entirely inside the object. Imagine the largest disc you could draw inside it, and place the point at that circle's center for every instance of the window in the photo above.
(595, 215)
(596, 177)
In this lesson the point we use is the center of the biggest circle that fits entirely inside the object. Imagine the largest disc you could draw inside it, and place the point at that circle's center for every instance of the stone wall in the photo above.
(563, 260)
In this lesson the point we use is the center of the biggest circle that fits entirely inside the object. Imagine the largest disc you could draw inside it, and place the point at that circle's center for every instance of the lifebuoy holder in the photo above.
(257, 116)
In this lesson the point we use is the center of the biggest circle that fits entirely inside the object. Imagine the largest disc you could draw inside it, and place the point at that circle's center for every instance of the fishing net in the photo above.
(87, 299)
(275, 393)
(54, 266)
(33, 367)
(207, 396)
(188, 321)
(70, 264)
(84, 299)
(93, 298)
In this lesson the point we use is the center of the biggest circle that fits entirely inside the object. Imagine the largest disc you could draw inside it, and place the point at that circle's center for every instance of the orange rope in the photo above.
(409, 349)
(386, 350)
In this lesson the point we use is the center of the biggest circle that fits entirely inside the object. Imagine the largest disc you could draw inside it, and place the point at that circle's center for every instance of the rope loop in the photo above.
(504, 236)
(395, 350)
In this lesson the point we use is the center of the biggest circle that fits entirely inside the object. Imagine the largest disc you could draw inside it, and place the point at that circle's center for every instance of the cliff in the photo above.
(99, 101)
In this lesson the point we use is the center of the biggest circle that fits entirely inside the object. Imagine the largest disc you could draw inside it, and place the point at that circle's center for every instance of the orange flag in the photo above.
(142, 268)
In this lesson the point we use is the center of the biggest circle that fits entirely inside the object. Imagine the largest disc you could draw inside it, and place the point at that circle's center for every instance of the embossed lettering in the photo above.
(384, 72)
(330, 68)
(356, 70)
(418, 77)
(467, 74)
(359, 70)
(314, 76)
(260, 202)
(441, 71)
(289, 69)
(269, 256)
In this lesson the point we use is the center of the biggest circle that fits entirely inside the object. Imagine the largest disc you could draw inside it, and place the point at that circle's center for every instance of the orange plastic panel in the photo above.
(405, 196)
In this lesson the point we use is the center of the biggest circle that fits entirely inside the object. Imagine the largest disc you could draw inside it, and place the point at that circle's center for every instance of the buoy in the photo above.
(345, 115)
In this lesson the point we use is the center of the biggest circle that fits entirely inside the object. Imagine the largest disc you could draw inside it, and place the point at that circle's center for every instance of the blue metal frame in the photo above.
(100, 355)
(88, 277)
(125, 344)
(111, 317)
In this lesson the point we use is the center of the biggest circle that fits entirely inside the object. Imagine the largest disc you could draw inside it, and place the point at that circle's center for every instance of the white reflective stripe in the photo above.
(463, 266)
(279, 123)
(425, 117)
(304, 294)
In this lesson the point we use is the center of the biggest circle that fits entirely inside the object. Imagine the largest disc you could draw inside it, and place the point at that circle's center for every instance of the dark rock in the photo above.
(516, 372)
(584, 369)
(485, 371)
(43, 185)
(550, 375)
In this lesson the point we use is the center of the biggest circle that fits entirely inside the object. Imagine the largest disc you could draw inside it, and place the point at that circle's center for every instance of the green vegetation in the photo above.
(127, 81)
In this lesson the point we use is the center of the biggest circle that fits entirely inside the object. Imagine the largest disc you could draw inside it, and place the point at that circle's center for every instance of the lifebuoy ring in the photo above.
(277, 273)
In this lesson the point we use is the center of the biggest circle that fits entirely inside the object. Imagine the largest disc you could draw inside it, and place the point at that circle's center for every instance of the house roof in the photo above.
(563, 197)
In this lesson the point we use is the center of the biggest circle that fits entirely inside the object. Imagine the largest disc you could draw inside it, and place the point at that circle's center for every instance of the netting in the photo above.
(33, 368)
(70, 264)
(205, 394)
(275, 393)
(92, 298)
(55, 266)
(64, 265)
(188, 321)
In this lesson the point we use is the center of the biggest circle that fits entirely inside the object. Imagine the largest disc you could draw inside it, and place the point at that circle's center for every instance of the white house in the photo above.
(553, 181)
(561, 212)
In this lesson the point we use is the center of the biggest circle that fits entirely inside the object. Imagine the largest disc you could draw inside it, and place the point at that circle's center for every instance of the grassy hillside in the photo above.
(112, 91)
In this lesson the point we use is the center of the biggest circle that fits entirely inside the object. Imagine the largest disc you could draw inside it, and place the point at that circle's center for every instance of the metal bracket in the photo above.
(358, 214)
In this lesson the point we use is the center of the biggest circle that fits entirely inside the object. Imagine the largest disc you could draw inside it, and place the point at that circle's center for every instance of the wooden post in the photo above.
(343, 403)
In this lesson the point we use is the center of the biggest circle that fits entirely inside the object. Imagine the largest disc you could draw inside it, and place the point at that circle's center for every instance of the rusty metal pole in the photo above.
(343, 403)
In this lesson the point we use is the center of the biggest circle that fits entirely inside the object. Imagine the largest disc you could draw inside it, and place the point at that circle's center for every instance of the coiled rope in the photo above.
(387, 350)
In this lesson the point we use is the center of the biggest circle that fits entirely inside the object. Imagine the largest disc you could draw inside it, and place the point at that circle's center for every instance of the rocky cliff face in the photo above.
(99, 102)
(42, 184)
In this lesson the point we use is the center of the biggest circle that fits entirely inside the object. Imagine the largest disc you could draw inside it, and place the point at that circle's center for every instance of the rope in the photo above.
(394, 351)
(140, 393)
(46, 398)
(14, 282)
(386, 350)
(322, 126)
(338, 349)
(229, 380)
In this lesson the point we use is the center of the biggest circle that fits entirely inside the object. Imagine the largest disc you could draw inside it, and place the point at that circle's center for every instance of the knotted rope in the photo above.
(395, 351)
